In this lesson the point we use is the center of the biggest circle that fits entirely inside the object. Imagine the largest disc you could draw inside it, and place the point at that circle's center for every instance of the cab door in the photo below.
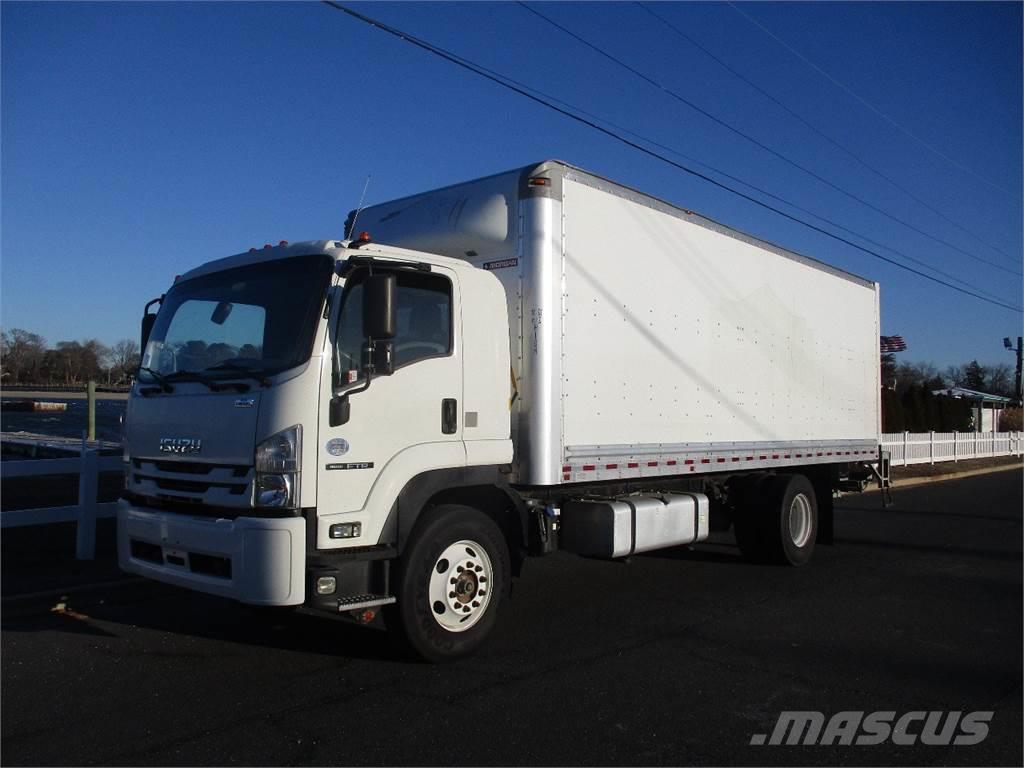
(402, 424)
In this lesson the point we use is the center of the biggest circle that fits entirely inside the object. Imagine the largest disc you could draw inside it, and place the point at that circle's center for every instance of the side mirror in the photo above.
(148, 319)
(379, 320)
(147, 328)
(340, 410)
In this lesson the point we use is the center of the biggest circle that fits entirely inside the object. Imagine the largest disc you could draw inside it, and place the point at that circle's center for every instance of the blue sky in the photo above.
(139, 140)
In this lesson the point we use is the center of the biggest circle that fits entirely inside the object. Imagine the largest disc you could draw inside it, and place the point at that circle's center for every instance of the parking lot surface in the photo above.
(675, 657)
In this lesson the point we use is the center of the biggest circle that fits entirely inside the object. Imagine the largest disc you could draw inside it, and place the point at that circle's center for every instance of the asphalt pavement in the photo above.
(676, 657)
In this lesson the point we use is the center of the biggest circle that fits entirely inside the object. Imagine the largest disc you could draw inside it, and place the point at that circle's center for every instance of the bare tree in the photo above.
(124, 358)
(22, 355)
(1000, 380)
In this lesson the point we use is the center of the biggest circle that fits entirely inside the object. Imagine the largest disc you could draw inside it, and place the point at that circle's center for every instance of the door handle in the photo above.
(449, 416)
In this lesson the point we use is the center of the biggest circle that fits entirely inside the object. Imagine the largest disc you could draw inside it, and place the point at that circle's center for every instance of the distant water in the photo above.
(69, 423)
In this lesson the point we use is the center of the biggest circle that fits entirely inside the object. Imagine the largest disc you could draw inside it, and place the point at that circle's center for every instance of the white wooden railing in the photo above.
(932, 447)
(87, 465)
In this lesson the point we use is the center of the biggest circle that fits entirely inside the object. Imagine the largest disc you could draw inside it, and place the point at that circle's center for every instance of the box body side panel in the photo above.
(676, 334)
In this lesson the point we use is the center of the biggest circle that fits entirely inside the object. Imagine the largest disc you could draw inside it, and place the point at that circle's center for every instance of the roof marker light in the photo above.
(283, 242)
(539, 181)
(267, 245)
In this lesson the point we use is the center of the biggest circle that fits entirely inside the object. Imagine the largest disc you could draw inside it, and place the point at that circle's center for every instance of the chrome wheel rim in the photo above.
(800, 520)
(460, 585)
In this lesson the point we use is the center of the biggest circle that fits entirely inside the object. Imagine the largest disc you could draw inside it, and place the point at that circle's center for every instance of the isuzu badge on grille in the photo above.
(180, 445)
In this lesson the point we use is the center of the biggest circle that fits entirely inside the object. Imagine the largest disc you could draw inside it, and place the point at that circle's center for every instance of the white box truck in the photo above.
(535, 360)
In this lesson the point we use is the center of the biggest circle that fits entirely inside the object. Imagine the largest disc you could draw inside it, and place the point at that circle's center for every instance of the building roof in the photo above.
(972, 394)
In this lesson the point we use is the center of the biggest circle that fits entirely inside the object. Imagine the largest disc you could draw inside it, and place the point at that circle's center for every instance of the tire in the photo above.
(450, 582)
(779, 520)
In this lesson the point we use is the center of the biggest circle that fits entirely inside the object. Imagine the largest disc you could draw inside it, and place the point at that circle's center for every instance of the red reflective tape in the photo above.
(632, 465)
(775, 455)
(750, 458)
(786, 456)
(720, 461)
(705, 461)
(819, 453)
(567, 469)
(735, 458)
(652, 463)
(827, 454)
(799, 455)
(688, 461)
(589, 467)
(611, 466)
(671, 462)
(762, 458)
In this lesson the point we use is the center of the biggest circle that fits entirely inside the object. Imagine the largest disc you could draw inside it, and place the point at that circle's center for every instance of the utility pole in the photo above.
(1018, 393)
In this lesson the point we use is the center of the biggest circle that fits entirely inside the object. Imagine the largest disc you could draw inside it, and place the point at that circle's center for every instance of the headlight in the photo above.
(278, 461)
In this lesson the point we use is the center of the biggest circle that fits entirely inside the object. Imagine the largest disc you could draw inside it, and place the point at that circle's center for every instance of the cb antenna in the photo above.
(355, 214)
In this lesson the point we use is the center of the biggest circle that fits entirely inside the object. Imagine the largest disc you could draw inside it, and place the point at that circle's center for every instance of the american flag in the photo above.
(892, 344)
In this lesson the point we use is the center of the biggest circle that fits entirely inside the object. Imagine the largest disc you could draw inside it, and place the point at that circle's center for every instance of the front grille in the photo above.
(190, 486)
(192, 481)
(191, 467)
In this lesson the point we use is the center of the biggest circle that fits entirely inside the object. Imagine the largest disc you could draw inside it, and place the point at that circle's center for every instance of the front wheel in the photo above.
(450, 581)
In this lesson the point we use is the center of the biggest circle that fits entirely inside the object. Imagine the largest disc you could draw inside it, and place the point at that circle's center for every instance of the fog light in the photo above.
(346, 530)
(326, 585)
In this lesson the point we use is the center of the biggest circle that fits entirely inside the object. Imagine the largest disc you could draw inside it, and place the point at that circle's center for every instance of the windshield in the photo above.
(259, 318)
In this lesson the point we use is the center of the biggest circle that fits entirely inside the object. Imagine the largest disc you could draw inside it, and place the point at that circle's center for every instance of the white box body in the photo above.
(647, 340)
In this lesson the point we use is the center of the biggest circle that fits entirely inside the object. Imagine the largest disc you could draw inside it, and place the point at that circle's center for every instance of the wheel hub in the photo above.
(460, 585)
(800, 520)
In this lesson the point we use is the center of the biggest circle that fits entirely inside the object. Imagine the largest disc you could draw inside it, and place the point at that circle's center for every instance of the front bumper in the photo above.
(255, 560)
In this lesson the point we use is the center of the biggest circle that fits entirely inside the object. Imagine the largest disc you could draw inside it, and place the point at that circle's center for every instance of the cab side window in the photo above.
(424, 318)
(424, 322)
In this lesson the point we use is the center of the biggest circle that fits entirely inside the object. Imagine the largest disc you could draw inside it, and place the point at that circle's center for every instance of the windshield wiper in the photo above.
(213, 385)
(241, 370)
(160, 379)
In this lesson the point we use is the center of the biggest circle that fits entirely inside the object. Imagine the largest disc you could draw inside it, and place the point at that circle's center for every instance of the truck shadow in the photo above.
(123, 620)
(702, 553)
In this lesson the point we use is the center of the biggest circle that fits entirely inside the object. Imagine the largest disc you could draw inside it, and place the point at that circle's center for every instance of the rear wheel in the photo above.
(450, 581)
(778, 522)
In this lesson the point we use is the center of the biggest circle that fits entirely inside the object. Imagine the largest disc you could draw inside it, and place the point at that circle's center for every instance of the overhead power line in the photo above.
(865, 102)
(717, 120)
(498, 79)
(809, 125)
(724, 174)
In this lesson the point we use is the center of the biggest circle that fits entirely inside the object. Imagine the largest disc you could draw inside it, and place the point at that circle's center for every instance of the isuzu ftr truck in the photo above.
(532, 361)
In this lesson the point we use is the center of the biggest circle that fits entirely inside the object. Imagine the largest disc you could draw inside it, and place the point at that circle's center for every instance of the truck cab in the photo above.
(298, 406)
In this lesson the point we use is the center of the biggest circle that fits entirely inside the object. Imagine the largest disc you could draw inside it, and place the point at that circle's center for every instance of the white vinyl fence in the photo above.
(87, 466)
(931, 447)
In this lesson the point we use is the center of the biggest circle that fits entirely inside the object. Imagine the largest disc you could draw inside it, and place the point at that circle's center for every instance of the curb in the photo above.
(910, 482)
